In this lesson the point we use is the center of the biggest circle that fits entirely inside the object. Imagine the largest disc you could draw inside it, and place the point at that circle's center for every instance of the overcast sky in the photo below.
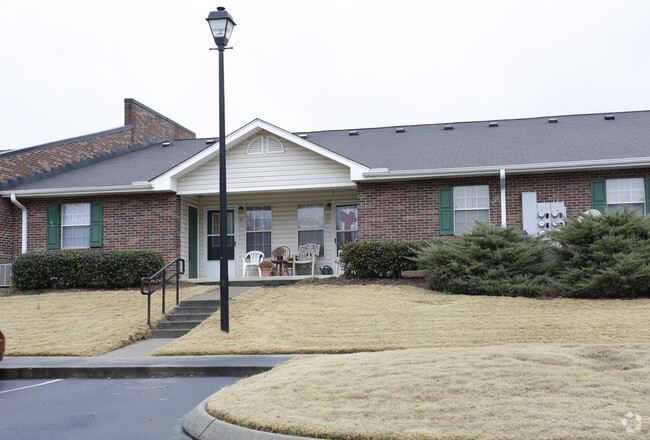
(67, 65)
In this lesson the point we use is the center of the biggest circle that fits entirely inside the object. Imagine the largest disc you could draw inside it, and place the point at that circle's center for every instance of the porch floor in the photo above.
(258, 281)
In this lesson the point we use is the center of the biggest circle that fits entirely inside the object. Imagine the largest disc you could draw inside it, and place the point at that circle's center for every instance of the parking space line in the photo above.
(31, 386)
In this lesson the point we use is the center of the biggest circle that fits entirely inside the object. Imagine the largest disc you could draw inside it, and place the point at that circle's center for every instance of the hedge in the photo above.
(604, 257)
(491, 260)
(83, 269)
(369, 259)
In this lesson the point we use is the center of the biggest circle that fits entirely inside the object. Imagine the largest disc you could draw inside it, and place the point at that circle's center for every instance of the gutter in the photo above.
(94, 190)
(386, 174)
(24, 222)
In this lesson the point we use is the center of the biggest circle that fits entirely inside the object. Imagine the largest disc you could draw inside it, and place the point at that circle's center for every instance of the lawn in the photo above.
(81, 323)
(422, 365)
(344, 319)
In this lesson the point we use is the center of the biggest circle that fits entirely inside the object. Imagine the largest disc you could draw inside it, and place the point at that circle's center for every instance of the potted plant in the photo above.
(266, 267)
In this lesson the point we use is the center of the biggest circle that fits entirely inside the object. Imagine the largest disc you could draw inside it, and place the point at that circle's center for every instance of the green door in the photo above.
(192, 242)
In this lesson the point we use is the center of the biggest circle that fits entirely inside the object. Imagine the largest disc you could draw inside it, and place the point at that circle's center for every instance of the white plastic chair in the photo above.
(253, 259)
(307, 254)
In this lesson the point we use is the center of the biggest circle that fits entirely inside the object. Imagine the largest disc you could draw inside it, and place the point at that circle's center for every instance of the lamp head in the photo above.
(221, 25)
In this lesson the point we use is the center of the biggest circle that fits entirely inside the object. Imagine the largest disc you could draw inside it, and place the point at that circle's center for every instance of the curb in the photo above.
(200, 425)
(126, 372)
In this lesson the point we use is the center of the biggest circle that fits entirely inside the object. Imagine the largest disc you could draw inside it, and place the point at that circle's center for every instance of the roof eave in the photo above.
(136, 187)
(386, 174)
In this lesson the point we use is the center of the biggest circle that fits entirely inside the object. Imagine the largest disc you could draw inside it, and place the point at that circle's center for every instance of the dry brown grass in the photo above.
(344, 319)
(81, 323)
(527, 391)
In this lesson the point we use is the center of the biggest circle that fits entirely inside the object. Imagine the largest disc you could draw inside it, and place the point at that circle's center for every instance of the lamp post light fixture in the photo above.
(221, 25)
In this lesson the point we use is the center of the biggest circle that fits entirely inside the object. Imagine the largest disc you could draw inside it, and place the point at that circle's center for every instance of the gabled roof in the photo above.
(525, 145)
(541, 144)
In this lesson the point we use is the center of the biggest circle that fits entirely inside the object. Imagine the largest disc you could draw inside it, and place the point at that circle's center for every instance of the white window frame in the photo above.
(479, 202)
(68, 227)
(315, 229)
(268, 208)
(627, 192)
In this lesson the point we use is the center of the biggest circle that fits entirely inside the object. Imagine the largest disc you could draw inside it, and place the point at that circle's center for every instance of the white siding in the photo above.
(296, 168)
(285, 212)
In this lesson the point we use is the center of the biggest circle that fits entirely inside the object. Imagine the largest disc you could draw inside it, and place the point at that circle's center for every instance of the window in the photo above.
(626, 193)
(265, 145)
(258, 229)
(311, 226)
(461, 206)
(80, 225)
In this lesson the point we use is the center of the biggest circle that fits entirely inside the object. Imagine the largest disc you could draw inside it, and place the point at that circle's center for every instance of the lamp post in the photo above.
(221, 25)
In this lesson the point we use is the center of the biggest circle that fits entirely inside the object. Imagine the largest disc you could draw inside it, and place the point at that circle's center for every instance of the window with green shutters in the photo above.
(79, 225)
(617, 194)
(460, 207)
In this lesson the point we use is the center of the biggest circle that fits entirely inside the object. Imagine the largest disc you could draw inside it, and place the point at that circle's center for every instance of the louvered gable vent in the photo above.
(265, 145)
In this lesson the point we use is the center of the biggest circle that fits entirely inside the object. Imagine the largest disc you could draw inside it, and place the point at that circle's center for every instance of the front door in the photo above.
(347, 225)
(213, 263)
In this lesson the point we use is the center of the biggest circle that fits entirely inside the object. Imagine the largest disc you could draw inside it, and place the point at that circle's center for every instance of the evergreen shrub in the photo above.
(604, 257)
(371, 259)
(491, 260)
(83, 269)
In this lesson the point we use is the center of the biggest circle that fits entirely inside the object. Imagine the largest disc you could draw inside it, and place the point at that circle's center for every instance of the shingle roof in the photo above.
(572, 138)
(475, 144)
(141, 165)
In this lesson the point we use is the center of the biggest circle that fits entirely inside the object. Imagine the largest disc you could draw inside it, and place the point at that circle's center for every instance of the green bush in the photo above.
(84, 269)
(492, 260)
(370, 259)
(606, 256)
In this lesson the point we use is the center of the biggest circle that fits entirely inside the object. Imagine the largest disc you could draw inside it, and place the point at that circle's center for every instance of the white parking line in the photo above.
(31, 386)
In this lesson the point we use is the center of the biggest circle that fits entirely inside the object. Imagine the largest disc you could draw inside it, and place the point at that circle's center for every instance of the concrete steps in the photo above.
(187, 315)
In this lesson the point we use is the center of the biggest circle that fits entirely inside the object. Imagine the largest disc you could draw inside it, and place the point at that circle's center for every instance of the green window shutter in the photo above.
(52, 226)
(598, 195)
(95, 224)
(446, 210)
(647, 196)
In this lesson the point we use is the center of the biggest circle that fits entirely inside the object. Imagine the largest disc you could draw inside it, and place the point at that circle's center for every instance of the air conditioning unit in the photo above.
(5, 275)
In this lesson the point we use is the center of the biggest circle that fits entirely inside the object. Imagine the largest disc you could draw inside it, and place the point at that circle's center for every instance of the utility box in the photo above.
(538, 218)
(550, 216)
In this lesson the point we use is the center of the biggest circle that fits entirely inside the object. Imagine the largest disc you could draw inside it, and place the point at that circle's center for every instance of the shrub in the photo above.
(492, 260)
(606, 256)
(84, 269)
(369, 259)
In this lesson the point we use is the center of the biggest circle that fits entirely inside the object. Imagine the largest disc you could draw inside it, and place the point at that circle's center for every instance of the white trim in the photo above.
(385, 174)
(79, 191)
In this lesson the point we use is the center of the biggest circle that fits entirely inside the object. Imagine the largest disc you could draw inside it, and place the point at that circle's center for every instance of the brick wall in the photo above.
(408, 210)
(10, 241)
(130, 222)
(149, 124)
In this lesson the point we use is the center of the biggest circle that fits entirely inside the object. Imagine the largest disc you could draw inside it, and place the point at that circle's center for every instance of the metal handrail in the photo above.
(180, 270)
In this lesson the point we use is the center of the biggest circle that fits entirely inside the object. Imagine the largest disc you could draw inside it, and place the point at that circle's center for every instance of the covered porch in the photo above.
(263, 222)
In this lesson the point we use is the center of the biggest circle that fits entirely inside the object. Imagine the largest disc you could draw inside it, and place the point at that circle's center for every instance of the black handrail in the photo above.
(180, 270)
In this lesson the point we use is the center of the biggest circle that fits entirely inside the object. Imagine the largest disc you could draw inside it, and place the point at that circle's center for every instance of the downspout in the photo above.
(24, 222)
(503, 197)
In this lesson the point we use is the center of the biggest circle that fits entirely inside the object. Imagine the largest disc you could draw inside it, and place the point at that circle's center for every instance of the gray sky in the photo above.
(67, 65)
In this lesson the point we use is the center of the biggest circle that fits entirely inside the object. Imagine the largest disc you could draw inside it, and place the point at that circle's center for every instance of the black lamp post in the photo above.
(221, 25)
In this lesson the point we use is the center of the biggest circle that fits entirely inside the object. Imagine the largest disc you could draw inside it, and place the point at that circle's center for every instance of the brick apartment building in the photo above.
(152, 185)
